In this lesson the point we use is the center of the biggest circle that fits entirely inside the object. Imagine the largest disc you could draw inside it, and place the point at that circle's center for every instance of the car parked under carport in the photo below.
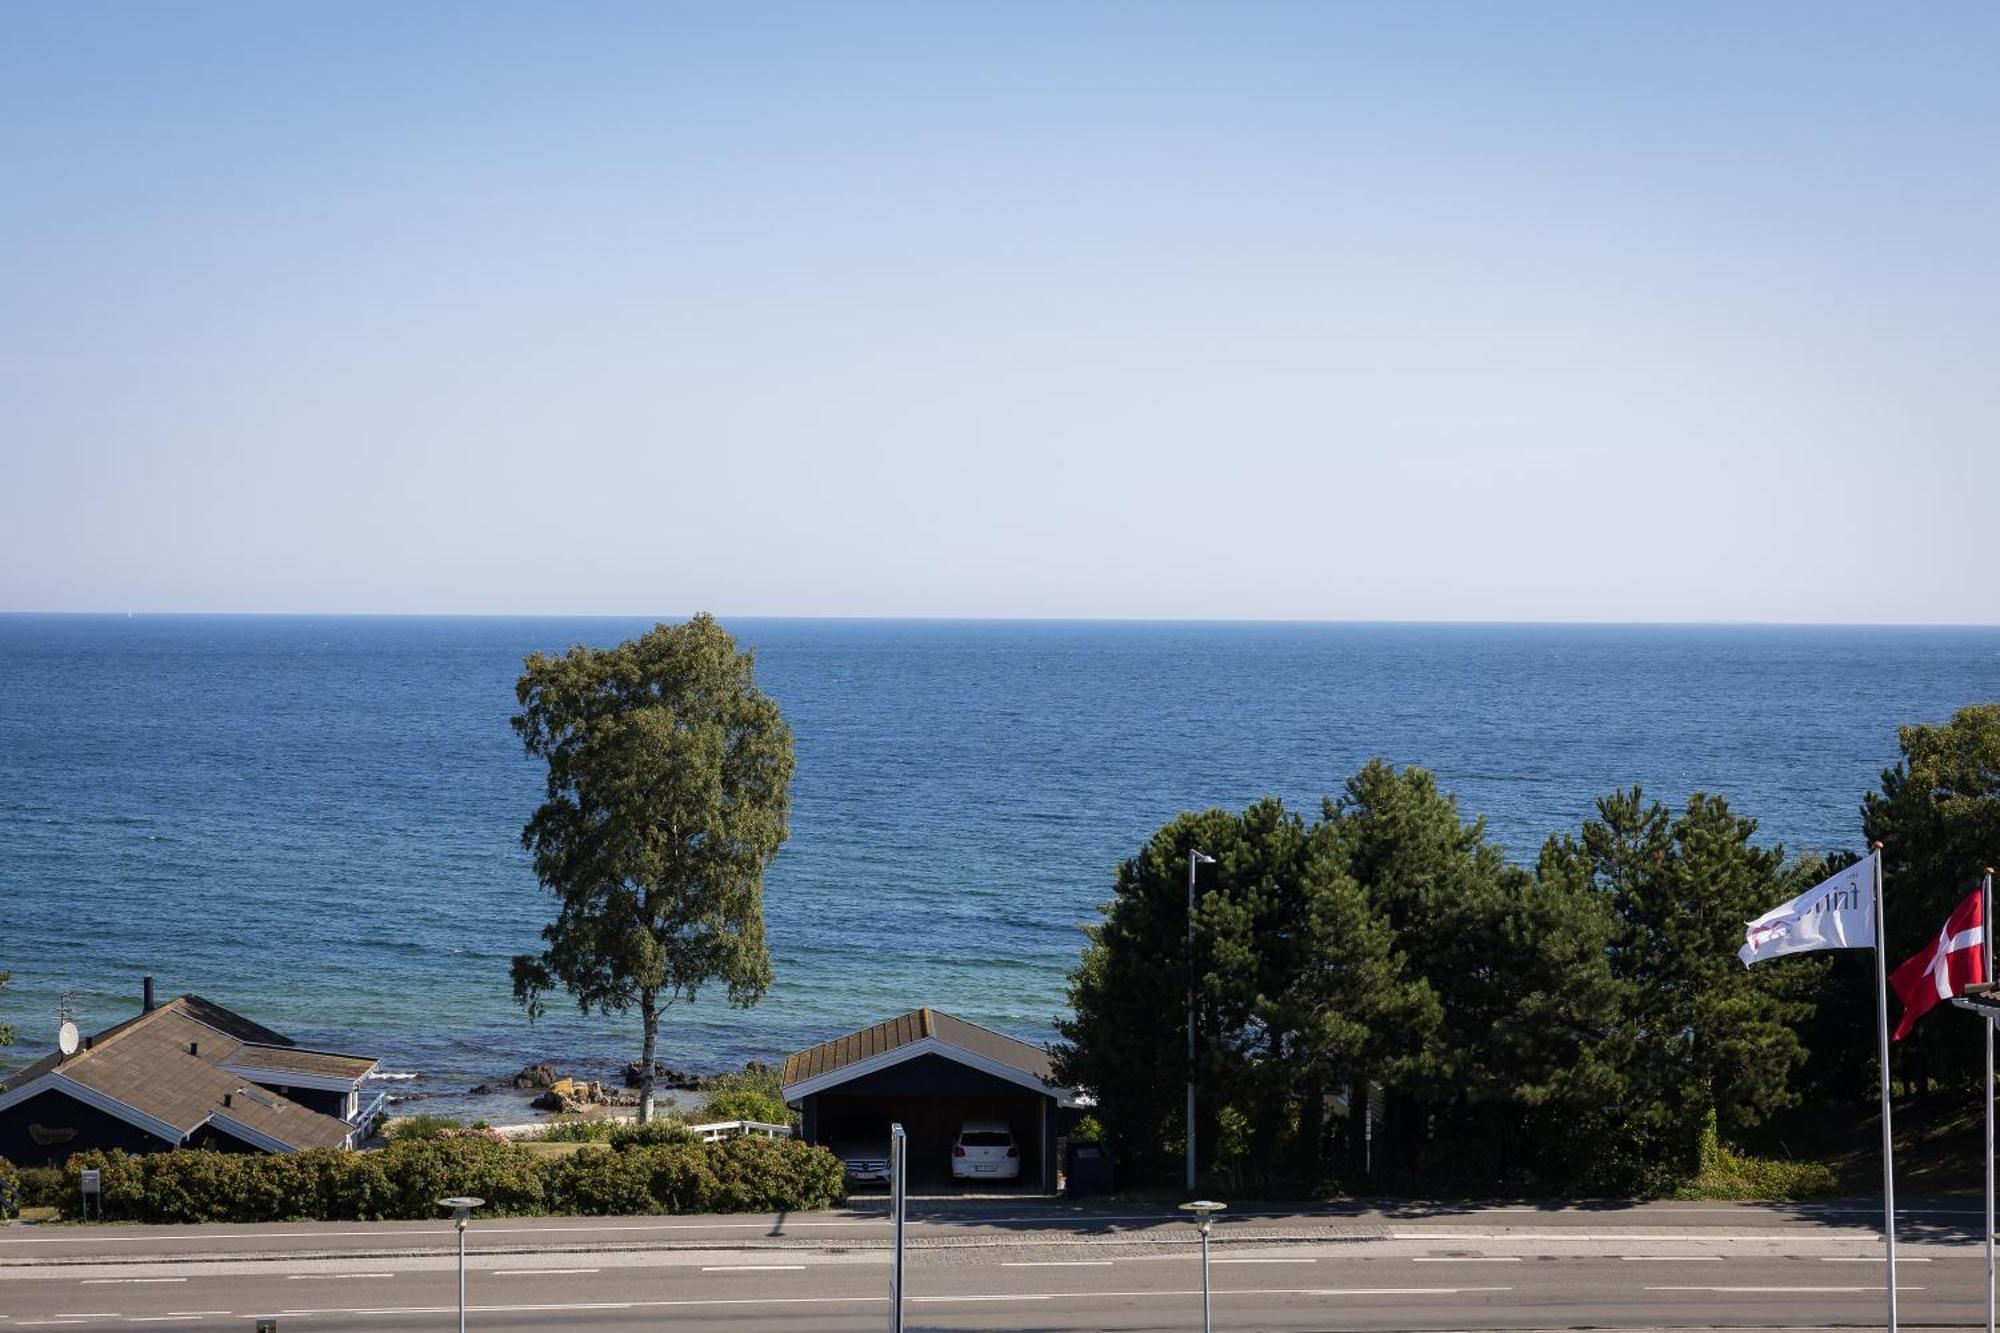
(932, 1072)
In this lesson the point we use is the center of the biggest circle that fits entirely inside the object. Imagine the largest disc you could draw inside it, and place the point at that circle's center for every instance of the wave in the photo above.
(391, 1075)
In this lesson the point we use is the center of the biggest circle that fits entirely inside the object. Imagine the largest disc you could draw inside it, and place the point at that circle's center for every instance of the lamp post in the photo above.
(461, 1209)
(1204, 1211)
(1195, 858)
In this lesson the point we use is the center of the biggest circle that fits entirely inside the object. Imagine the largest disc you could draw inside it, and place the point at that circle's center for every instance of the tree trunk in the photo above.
(649, 1016)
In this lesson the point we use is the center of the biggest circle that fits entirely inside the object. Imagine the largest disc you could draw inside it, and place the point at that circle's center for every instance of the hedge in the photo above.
(10, 1190)
(406, 1179)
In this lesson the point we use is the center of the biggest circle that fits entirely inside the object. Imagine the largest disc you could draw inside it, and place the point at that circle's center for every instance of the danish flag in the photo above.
(1954, 960)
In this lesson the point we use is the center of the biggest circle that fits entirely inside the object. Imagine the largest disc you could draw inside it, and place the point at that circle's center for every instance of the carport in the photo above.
(931, 1072)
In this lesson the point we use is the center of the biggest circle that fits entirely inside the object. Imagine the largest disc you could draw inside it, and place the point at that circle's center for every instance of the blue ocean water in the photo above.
(316, 820)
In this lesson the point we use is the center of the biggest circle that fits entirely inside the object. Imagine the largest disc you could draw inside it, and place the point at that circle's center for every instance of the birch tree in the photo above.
(669, 778)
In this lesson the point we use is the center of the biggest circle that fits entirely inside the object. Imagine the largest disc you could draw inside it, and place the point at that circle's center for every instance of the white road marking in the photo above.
(1468, 1259)
(751, 1268)
(538, 1272)
(1266, 1261)
(732, 1301)
(1780, 1291)
(106, 1281)
(1869, 1259)
(1671, 1258)
(1055, 1263)
(939, 1300)
(331, 1277)
(1705, 1238)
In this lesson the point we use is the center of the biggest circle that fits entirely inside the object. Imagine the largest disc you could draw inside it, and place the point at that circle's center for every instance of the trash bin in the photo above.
(1089, 1170)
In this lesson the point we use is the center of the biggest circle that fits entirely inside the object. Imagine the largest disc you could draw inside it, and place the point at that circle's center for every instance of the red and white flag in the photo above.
(1945, 967)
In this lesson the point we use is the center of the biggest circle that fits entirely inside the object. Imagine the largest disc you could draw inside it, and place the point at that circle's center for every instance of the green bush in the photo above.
(656, 1134)
(406, 1179)
(616, 1133)
(402, 1128)
(746, 1104)
(759, 1175)
(755, 1093)
(573, 1131)
(10, 1190)
(1727, 1174)
(41, 1186)
(609, 1184)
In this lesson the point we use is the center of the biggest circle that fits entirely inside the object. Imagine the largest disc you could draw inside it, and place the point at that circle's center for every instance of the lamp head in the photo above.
(1204, 1211)
(1200, 858)
(461, 1207)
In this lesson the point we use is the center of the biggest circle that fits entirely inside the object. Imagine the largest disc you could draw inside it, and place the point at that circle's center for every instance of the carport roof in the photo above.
(919, 1032)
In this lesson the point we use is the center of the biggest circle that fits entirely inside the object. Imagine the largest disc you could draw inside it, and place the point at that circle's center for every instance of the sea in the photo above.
(316, 820)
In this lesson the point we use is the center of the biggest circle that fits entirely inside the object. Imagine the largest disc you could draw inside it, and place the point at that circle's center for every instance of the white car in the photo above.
(985, 1150)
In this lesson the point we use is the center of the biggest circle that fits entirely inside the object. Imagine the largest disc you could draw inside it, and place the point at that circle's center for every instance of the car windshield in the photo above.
(985, 1138)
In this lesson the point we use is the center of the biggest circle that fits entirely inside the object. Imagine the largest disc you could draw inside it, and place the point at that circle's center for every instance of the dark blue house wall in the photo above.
(58, 1111)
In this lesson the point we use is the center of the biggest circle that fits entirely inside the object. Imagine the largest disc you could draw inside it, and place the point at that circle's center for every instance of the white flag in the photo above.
(1838, 914)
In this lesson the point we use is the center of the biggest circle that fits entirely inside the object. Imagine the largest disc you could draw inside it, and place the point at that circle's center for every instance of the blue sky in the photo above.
(1325, 311)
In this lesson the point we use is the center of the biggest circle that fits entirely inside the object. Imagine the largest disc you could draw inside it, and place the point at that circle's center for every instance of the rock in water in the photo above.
(537, 1076)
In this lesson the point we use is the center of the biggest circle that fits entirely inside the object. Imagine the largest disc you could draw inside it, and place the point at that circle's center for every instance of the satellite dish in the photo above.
(67, 1039)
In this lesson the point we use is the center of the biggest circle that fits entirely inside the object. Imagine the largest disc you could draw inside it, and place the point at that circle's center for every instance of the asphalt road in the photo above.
(1012, 1267)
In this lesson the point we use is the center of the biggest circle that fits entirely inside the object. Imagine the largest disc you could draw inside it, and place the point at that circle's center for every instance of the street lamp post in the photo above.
(1204, 1211)
(1195, 858)
(461, 1209)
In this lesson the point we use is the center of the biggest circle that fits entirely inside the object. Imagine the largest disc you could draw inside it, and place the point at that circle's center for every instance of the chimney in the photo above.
(194, 1048)
(149, 997)
(225, 1098)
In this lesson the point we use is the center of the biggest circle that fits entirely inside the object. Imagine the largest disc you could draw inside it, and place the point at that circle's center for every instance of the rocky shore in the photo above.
(557, 1092)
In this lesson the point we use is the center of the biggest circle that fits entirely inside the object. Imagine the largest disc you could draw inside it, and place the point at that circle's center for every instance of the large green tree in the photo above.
(1516, 1082)
(1938, 819)
(1716, 1042)
(669, 777)
(1299, 993)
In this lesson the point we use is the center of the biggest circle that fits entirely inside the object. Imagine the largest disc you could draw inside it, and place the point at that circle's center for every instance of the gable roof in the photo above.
(907, 1036)
(164, 1070)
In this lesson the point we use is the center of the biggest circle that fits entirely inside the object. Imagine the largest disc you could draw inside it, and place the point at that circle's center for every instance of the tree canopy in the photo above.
(668, 792)
(1581, 1024)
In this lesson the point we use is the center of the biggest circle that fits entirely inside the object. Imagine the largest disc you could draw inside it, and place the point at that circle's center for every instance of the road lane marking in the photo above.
(1468, 1259)
(1671, 1258)
(1780, 1291)
(331, 1277)
(1869, 1259)
(750, 1268)
(1626, 1237)
(538, 1272)
(1056, 1263)
(1266, 1261)
(938, 1300)
(696, 1303)
(106, 1281)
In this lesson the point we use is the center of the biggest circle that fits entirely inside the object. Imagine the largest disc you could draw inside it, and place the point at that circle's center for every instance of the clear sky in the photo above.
(1320, 310)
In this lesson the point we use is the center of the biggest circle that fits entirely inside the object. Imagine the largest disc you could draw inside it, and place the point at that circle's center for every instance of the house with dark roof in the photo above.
(931, 1072)
(184, 1074)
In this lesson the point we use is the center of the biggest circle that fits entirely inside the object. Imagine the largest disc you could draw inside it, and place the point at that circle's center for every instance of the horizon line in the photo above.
(857, 617)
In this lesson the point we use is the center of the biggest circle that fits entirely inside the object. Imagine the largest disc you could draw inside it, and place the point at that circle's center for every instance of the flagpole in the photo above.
(1986, 929)
(1882, 1035)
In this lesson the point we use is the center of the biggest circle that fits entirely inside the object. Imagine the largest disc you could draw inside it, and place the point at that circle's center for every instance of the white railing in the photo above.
(732, 1129)
(370, 1113)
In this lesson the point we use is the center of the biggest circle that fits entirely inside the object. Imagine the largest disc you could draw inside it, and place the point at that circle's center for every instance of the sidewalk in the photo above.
(968, 1224)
